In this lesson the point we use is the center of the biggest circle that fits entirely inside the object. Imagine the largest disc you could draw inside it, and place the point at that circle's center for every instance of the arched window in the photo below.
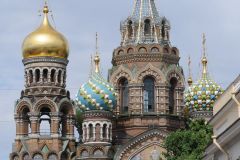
(130, 29)
(59, 76)
(124, 91)
(147, 27)
(64, 156)
(84, 154)
(15, 158)
(37, 75)
(173, 84)
(30, 76)
(98, 153)
(104, 131)
(52, 157)
(148, 94)
(26, 157)
(37, 157)
(90, 131)
(53, 72)
(45, 121)
(45, 75)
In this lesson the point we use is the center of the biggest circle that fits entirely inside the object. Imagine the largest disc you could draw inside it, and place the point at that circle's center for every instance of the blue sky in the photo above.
(78, 20)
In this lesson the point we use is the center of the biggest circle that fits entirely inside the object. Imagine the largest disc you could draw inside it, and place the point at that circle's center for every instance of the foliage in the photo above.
(190, 143)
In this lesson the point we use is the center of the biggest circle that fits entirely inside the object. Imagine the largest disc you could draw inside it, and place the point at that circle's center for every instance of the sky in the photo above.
(79, 20)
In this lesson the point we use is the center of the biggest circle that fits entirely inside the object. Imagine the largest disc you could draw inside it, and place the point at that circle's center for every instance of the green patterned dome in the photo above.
(202, 95)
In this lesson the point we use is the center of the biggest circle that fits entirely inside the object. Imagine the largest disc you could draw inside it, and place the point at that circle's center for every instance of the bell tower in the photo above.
(44, 114)
(147, 75)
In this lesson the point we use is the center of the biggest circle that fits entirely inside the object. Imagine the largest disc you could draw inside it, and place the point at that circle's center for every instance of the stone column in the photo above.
(41, 76)
(94, 132)
(88, 134)
(101, 132)
(18, 126)
(55, 123)
(70, 127)
(107, 132)
(83, 132)
(34, 119)
(49, 76)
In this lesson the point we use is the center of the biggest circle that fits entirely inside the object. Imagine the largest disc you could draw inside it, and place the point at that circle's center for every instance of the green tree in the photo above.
(190, 143)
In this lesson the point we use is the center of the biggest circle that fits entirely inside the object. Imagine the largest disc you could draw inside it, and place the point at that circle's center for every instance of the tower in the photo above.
(201, 96)
(44, 114)
(149, 82)
(96, 100)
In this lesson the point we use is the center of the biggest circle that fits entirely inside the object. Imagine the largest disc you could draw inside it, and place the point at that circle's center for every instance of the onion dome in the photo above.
(201, 95)
(45, 41)
(97, 93)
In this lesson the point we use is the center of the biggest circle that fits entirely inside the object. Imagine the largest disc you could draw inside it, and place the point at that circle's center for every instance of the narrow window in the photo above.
(45, 122)
(53, 75)
(124, 91)
(130, 29)
(148, 94)
(173, 84)
(147, 27)
(45, 75)
(37, 74)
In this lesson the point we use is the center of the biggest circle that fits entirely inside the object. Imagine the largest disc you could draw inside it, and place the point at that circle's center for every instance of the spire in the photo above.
(190, 81)
(144, 25)
(143, 9)
(204, 58)
(97, 58)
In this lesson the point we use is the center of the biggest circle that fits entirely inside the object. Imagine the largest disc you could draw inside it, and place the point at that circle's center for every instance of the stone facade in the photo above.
(44, 114)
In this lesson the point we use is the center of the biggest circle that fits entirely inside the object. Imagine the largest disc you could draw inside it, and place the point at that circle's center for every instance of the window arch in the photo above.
(59, 76)
(15, 158)
(84, 154)
(142, 50)
(154, 50)
(148, 94)
(124, 92)
(52, 157)
(98, 153)
(130, 50)
(64, 156)
(26, 157)
(45, 121)
(173, 84)
(120, 52)
(147, 27)
(37, 157)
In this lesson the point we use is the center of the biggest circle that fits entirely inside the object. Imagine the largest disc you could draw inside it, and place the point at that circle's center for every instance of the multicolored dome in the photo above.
(201, 95)
(97, 93)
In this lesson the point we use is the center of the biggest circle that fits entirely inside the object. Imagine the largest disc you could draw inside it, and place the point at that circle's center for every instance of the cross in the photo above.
(204, 45)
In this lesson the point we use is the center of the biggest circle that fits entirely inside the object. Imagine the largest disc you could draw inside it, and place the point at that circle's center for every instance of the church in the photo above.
(126, 116)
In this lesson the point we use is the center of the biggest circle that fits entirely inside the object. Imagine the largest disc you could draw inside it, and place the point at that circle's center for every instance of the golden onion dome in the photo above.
(45, 41)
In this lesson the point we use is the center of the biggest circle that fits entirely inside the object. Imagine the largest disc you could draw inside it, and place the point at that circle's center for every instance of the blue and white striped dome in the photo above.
(97, 93)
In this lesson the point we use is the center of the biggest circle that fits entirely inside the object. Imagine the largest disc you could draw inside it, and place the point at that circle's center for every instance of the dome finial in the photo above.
(45, 9)
(190, 81)
(97, 58)
(204, 58)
